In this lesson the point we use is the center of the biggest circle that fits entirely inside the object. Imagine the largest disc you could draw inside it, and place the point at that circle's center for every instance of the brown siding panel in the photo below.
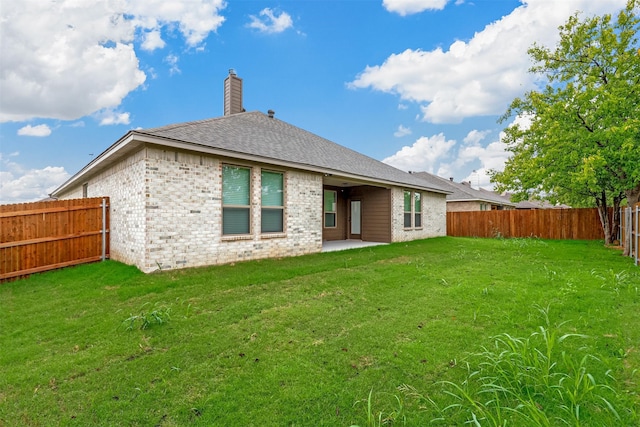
(340, 231)
(376, 215)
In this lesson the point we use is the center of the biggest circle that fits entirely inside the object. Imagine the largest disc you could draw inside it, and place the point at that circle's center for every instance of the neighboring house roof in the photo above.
(258, 137)
(536, 204)
(463, 192)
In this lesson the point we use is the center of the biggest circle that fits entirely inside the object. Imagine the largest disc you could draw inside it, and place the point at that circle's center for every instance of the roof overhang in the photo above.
(135, 140)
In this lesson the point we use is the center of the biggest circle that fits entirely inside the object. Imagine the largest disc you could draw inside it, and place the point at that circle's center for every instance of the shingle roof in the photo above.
(260, 135)
(463, 191)
(536, 204)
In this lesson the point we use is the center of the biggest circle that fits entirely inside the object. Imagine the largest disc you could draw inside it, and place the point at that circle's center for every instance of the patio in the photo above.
(341, 245)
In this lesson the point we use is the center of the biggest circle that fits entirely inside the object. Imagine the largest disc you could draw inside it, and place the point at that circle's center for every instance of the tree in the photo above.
(580, 144)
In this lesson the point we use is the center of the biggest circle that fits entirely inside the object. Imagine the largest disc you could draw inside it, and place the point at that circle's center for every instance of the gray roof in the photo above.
(259, 135)
(536, 204)
(463, 192)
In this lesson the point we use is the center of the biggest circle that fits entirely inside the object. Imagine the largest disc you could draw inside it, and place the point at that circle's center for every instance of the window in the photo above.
(330, 201)
(412, 210)
(85, 190)
(272, 202)
(236, 191)
(417, 210)
(407, 209)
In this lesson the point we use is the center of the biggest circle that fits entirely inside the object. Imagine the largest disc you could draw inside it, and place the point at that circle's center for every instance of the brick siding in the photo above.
(166, 212)
(434, 217)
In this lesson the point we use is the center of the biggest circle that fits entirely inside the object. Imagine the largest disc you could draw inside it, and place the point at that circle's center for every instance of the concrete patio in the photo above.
(341, 245)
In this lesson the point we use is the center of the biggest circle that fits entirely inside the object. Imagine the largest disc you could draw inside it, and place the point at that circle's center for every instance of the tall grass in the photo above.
(541, 380)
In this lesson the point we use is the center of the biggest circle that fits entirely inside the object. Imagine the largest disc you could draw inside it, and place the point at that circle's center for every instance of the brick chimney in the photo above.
(232, 94)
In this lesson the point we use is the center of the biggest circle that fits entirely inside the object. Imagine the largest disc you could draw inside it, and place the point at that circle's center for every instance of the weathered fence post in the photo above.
(104, 229)
(635, 250)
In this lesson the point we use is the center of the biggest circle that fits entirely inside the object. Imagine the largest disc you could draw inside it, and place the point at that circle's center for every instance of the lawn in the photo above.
(522, 331)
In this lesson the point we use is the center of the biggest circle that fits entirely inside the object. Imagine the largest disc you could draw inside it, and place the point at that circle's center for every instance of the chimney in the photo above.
(451, 178)
(271, 113)
(232, 94)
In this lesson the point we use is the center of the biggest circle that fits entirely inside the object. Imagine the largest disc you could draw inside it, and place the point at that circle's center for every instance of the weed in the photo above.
(550, 274)
(496, 233)
(568, 289)
(616, 281)
(529, 381)
(159, 315)
(380, 418)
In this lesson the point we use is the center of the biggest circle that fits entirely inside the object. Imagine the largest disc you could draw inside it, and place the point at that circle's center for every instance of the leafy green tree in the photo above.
(581, 141)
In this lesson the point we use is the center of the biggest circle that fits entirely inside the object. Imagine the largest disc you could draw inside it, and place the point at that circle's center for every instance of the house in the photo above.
(464, 198)
(248, 186)
(536, 204)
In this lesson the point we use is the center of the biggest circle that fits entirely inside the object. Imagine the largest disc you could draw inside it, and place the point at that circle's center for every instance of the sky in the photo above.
(417, 84)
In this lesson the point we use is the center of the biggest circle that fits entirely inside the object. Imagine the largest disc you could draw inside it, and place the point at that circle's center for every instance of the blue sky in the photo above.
(418, 84)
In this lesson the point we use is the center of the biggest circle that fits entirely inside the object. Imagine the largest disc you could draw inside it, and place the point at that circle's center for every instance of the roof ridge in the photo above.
(195, 122)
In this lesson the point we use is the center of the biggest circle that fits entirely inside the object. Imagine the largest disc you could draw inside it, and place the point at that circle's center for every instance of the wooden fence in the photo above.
(630, 230)
(582, 224)
(41, 236)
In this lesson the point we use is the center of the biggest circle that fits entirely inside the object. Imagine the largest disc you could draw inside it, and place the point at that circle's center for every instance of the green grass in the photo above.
(432, 332)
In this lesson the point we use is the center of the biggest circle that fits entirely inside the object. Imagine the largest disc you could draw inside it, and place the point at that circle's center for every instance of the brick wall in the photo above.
(184, 214)
(434, 217)
(124, 183)
(464, 206)
(166, 212)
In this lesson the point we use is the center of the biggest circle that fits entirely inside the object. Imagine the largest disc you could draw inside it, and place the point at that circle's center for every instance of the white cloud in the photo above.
(269, 22)
(195, 19)
(492, 156)
(69, 58)
(523, 121)
(402, 131)
(109, 117)
(475, 136)
(447, 158)
(19, 185)
(408, 7)
(423, 155)
(172, 60)
(38, 130)
(152, 40)
(481, 76)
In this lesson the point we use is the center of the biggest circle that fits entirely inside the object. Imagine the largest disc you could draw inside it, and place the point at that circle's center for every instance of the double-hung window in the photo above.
(236, 200)
(412, 209)
(330, 202)
(272, 202)
(417, 210)
(407, 209)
